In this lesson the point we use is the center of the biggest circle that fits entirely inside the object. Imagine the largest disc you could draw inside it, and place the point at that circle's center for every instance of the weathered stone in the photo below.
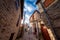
(8, 19)
(54, 15)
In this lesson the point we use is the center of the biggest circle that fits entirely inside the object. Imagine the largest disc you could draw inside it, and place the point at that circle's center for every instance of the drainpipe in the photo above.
(22, 7)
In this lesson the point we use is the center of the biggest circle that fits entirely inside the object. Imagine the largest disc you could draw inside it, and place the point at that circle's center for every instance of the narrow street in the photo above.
(28, 36)
(29, 19)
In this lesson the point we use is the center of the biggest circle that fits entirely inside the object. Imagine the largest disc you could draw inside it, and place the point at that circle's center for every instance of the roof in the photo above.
(34, 13)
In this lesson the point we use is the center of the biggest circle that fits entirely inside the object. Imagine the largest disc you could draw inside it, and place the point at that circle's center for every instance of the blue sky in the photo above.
(29, 7)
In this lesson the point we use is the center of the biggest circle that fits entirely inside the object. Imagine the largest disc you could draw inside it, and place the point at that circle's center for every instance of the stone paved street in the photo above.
(28, 36)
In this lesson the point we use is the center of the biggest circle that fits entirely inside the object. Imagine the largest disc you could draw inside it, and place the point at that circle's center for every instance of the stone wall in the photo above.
(8, 19)
(54, 15)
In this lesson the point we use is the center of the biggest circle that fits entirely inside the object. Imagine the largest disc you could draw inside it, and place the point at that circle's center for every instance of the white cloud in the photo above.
(29, 9)
(27, 15)
(26, 21)
(26, 18)
(25, 9)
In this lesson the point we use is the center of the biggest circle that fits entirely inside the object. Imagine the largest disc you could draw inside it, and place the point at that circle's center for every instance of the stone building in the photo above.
(35, 22)
(54, 16)
(10, 19)
(35, 17)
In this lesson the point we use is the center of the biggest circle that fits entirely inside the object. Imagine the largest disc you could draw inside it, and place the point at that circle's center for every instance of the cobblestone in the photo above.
(28, 36)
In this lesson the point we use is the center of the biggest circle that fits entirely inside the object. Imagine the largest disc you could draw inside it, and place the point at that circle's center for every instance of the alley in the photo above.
(28, 36)
(29, 19)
